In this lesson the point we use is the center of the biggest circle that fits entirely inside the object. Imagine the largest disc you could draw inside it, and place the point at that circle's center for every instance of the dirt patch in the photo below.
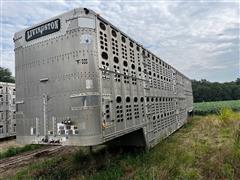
(4, 145)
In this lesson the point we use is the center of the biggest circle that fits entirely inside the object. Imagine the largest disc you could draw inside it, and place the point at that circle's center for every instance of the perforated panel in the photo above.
(137, 71)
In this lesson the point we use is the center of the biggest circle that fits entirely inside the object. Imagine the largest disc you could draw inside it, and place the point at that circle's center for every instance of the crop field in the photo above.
(207, 147)
(204, 108)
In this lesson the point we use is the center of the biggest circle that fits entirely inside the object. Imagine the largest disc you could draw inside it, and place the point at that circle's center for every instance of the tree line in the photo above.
(204, 90)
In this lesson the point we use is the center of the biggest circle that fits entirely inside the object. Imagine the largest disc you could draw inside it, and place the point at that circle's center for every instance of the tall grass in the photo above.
(225, 114)
(12, 151)
(206, 148)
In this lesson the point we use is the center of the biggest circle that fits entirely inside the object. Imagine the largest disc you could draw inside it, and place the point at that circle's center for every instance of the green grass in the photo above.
(45, 167)
(205, 108)
(12, 151)
(207, 147)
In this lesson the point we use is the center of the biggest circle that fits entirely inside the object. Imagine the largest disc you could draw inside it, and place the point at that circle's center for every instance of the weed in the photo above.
(114, 171)
(225, 114)
(228, 171)
(237, 136)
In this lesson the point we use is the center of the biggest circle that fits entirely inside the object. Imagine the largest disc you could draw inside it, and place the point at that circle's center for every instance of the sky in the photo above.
(199, 38)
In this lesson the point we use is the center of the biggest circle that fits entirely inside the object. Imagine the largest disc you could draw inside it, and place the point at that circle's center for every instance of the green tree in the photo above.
(6, 75)
(238, 81)
(204, 90)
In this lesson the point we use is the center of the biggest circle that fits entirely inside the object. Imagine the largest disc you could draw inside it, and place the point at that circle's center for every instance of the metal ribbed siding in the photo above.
(129, 87)
(153, 94)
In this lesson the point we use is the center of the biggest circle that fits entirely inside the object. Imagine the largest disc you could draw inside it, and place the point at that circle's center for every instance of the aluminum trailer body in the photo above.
(82, 81)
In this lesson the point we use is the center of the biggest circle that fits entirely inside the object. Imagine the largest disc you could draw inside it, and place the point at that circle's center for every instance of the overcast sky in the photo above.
(201, 39)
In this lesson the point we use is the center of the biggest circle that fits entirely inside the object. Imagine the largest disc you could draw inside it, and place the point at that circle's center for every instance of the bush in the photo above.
(225, 114)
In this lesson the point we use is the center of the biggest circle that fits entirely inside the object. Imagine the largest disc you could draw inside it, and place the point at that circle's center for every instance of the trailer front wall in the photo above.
(58, 96)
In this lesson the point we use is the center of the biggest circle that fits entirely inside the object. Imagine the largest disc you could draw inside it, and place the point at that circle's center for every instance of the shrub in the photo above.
(225, 114)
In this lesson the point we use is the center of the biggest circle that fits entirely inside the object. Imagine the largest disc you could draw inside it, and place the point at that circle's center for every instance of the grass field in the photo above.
(204, 108)
(207, 147)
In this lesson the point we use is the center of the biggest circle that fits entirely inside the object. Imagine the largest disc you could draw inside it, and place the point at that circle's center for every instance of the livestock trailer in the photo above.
(82, 81)
(7, 110)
